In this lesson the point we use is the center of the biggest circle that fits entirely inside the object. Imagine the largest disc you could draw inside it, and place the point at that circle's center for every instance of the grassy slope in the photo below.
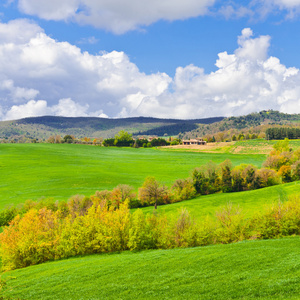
(30, 171)
(250, 201)
(262, 270)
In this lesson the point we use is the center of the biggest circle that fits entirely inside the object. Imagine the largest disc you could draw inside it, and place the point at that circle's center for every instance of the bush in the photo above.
(7, 215)
(182, 190)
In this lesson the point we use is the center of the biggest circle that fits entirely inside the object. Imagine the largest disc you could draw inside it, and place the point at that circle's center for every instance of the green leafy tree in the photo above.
(200, 182)
(109, 142)
(226, 176)
(68, 139)
(123, 139)
(282, 146)
(237, 180)
(213, 177)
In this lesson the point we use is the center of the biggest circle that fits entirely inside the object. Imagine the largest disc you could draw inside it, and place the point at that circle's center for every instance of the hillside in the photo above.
(266, 269)
(41, 128)
(255, 123)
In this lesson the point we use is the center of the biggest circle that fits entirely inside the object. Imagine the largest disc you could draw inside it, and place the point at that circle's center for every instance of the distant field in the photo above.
(249, 270)
(258, 146)
(31, 171)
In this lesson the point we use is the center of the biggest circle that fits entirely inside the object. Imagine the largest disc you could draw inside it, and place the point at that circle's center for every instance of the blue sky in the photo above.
(121, 59)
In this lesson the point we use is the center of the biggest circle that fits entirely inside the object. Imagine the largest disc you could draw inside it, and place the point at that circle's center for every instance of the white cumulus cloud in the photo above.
(38, 66)
(115, 15)
(41, 76)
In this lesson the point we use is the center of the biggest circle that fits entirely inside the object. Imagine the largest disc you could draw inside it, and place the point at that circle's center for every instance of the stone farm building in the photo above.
(196, 141)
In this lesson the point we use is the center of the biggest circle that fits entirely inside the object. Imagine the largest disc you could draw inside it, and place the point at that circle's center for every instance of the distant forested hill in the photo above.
(253, 123)
(41, 128)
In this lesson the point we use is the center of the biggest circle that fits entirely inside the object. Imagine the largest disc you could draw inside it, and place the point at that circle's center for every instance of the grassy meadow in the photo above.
(249, 270)
(266, 269)
(32, 171)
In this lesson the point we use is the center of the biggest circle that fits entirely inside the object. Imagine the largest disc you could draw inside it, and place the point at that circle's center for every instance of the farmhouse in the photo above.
(196, 141)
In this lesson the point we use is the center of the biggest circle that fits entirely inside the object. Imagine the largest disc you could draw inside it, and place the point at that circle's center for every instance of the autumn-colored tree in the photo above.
(152, 192)
(121, 193)
(276, 159)
(51, 139)
(286, 173)
(57, 139)
(268, 177)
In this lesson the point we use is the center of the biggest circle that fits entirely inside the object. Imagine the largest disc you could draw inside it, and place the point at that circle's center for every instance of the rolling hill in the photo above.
(253, 123)
(41, 128)
(267, 269)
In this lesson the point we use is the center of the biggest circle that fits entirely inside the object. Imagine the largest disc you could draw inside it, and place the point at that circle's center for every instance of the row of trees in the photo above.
(71, 139)
(124, 139)
(280, 133)
(281, 166)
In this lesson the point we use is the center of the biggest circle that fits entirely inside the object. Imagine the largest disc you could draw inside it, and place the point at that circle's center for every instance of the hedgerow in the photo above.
(43, 235)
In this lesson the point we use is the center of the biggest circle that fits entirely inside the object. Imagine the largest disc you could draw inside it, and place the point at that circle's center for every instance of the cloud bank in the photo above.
(41, 76)
(117, 16)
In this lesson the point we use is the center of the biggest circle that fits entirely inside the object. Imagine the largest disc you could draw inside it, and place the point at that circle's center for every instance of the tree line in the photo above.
(125, 139)
(280, 133)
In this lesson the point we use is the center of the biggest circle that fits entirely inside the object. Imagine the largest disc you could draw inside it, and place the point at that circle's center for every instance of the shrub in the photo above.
(182, 189)
(7, 215)
(231, 225)
(139, 233)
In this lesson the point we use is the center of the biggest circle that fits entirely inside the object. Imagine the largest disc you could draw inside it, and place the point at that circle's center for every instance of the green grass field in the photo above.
(249, 270)
(32, 171)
